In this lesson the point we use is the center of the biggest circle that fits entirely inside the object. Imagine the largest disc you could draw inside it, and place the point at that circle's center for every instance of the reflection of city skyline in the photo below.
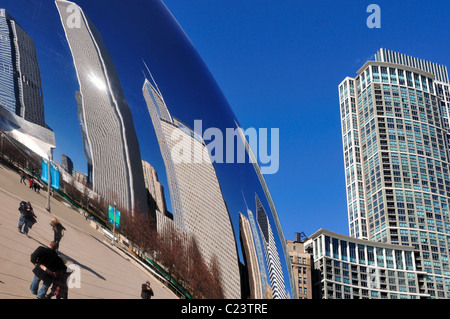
(149, 153)
(195, 193)
(21, 77)
(114, 155)
(21, 96)
(270, 248)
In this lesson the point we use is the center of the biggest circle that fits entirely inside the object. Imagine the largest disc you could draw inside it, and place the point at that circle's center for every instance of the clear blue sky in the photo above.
(278, 64)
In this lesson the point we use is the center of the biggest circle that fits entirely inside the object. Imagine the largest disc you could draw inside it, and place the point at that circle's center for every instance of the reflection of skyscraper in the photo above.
(154, 187)
(86, 147)
(272, 258)
(196, 197)
(259, 250)
(20, 77)
(21, 99)
(107, 124)
(250, 258)
(67, 164)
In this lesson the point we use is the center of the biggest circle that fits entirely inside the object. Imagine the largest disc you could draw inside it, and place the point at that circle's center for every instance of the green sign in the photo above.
(114, 216)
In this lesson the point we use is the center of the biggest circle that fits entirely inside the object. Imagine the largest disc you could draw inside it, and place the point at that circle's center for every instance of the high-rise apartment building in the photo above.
(196, 197)
(394, 117)
(110, 141)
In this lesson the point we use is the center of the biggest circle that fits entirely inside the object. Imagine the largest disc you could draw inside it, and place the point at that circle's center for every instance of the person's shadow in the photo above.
(68, 258)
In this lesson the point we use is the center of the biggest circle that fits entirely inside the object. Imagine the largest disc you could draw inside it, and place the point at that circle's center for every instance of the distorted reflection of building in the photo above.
(196, 197)
(156, 198)
(66, 164)
(109, 135)
(80, 177)
(76, 181)
(276, 277)
(255, 289)
(21, 97)
(260, 254)
(84, 139)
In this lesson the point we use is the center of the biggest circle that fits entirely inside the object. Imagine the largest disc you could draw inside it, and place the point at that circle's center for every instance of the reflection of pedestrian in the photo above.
(48, 257)
(22, 210)
(58, 231)
(59, 287)
(22, 178)
(147, 291)
(27, 217)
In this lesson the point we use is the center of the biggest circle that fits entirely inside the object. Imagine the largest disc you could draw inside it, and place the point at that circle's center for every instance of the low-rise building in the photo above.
(351, 268)
(301, 267)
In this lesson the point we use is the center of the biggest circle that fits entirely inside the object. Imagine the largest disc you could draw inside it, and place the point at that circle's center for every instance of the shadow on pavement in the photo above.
(68, 258)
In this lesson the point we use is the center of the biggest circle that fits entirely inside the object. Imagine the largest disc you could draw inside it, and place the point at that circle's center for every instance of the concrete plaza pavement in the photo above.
(105, 272)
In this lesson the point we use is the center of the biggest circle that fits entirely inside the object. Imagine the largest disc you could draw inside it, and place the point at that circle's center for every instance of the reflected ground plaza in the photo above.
(106, 272)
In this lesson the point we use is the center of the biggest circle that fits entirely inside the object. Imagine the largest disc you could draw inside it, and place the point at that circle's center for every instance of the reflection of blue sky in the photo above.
(188, 88)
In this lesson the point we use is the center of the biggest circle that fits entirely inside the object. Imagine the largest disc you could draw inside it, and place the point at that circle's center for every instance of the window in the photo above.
(327, 246)
(380, 257)
(352, 248)
(335, 248)
(361, 254)
(370, 256)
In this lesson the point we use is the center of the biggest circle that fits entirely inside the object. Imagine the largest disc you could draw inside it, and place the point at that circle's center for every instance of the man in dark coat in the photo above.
(27, 217)
(147, 291)
(23, 212)
(48, 257)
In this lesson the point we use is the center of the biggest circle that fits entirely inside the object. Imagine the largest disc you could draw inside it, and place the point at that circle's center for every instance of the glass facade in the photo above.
(395, 143)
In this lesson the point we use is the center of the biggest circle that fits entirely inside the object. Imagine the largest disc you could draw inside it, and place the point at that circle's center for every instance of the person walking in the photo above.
(27, 217)
(31, 182)
(58, 231)
(146, 291)
(22, 178)
(22, 210)
(48, 257)
(60, 289)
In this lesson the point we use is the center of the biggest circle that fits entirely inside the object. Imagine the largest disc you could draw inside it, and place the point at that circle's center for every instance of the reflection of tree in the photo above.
(140, 230)
(216, 289)
(176, 252)
(205, 281)
(17, 155)
(173, 253)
